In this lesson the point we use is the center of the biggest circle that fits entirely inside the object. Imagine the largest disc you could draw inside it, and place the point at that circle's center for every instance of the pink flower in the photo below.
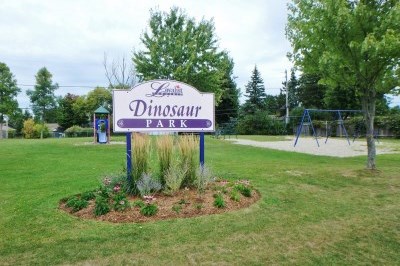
(117, 188)
(224, 182)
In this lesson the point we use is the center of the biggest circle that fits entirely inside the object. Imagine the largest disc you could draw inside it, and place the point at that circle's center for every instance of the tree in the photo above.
(8, 93)
(351, 43)
(255, 92)
(228, 107)
(310, 93)
(119, 74)
(17, 120)
(176, 47)
(98, 97)
(42, 97)
(292, 84)
(69, 116)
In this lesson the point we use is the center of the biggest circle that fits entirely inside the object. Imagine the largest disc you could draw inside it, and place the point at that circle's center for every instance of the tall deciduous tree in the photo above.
(352, 43)
(8, 93)
(311, 93)
(98, 97)
(176, 47)
(42, 96)
(68, 114)
(255, 93)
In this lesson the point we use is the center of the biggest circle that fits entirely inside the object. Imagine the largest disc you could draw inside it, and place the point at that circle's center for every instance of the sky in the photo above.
(70, 38)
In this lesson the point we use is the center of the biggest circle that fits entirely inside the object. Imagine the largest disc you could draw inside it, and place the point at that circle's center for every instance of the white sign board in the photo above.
(163, 105)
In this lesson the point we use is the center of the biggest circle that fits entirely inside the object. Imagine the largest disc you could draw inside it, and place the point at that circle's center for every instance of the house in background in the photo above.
(6, 131)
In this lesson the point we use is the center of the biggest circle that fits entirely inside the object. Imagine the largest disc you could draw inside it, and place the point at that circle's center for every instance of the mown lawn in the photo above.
(313, 210)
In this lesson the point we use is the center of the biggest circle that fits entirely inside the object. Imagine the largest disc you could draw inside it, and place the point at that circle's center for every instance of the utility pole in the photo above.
(287, 99)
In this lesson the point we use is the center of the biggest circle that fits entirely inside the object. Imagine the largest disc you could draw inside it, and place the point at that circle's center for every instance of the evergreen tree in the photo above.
(255, 92)
(228, 107)
(293, 92)
(8, 94)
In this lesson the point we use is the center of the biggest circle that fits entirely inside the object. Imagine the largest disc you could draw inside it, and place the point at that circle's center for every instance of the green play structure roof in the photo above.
(101, 110)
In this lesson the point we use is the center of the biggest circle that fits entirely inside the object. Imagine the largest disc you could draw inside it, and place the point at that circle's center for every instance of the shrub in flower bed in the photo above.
(178, 177)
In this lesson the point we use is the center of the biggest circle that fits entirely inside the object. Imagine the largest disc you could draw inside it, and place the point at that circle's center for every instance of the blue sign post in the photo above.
(129, 156)
(162, 106)
(202, 149)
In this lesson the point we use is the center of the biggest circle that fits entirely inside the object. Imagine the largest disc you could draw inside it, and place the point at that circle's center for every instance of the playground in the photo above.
(337, 147)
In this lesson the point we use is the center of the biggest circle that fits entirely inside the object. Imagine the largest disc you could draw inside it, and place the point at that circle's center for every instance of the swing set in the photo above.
(306, 120)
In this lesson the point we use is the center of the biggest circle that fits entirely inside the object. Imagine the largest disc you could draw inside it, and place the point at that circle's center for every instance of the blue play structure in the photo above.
(306, 118)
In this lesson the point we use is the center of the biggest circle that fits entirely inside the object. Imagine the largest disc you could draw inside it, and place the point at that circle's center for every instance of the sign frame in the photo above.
(163, 106)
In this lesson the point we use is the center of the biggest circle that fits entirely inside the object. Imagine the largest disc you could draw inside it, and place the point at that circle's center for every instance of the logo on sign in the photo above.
(164, 89)
(163, 105)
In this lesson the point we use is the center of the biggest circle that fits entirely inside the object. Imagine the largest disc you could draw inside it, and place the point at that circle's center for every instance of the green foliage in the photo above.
(32, 130)
(178, 48)
(140, 157)
(42, 96)
(311, 93)
(228, 108)
(219, 201)
(98, 97)
(120, 202)
(175, 175)
(149, 209)
(243, 189)
(188, 148)
(165, 145)
(353, 45)
(8, 93)
(88, 195)
(352, 213)
(69, 115)
(260, 123)
(76, 203)
(40, 130)
(28, 129)
(235, 195)
(177, 208)
(255, 92)
(102, 206)
(138, 203)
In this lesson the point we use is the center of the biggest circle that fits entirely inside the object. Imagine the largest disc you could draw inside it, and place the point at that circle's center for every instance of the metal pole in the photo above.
(287, 99)
(202, 149)
(129, 157)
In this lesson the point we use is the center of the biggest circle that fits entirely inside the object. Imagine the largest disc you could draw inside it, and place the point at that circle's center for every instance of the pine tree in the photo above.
(255, 91)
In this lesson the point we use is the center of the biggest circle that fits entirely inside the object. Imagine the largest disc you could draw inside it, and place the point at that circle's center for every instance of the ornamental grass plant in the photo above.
(165, 146)
(141, 149)
(188, 148)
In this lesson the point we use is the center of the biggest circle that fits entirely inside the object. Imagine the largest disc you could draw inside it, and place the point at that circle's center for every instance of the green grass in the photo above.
(314, 210)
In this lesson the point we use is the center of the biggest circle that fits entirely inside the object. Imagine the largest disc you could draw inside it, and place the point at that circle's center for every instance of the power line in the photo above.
(65, 86)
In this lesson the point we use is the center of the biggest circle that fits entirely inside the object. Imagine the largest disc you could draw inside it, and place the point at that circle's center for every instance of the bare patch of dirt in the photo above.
(185, 203)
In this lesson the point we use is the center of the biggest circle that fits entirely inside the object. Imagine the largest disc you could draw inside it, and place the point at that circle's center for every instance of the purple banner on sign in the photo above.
(164, 123)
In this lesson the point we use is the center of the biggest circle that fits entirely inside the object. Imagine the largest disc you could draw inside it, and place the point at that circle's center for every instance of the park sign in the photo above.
(163, 105)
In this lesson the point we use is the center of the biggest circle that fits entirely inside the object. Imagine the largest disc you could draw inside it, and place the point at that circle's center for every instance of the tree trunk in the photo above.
(368, 104)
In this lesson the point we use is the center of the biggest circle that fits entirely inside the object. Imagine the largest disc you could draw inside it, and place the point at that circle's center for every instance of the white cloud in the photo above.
(70, 37)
